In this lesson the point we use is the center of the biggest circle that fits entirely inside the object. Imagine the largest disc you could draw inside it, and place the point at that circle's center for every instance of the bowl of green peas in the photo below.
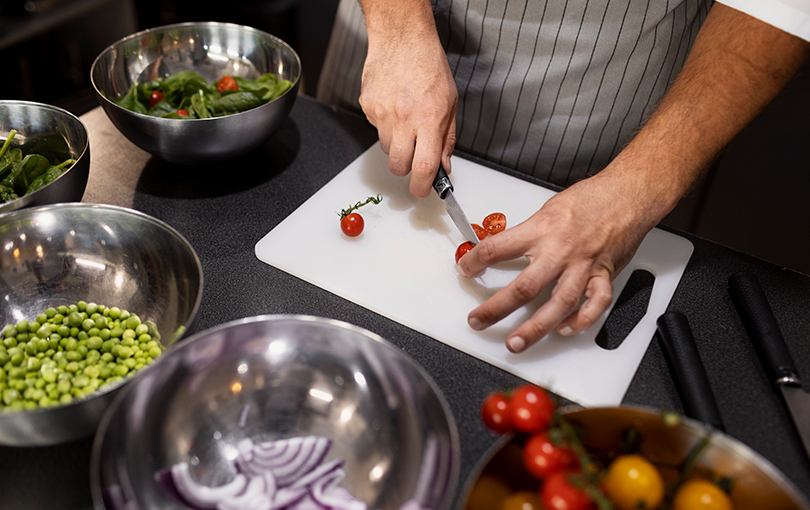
(92, 295)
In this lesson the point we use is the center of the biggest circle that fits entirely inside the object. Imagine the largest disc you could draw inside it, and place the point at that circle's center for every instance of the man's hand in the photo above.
(408, 92)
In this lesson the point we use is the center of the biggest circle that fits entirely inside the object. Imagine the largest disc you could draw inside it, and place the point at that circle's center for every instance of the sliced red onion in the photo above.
(202, 496)
(288, 496)
(255, 487)
(318, 472)
(276, 453)
(325, 492)
(312, 452)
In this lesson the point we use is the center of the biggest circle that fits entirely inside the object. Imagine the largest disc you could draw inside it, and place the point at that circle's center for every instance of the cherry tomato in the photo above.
(155, 97)
(480, 231)
(462, 249)
(182, 112)
(699, 494)
(633, 482)
(522, 500)
(494, 223)
(352, 224)
(557, 493)
(530, 409)
(495, 413)
(226, 83)
(488, 493)
(543, 458)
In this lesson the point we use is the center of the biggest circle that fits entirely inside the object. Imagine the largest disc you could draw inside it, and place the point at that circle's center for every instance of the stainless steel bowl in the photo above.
(211, 49)
(60, 254)
(271, 377)
(58, 132)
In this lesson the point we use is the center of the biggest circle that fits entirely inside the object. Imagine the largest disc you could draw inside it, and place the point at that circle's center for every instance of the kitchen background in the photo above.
(755, 198)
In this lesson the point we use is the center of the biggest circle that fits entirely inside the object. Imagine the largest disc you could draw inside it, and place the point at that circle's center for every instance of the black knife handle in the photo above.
(442, 182)
(760, 323)
(687, 370)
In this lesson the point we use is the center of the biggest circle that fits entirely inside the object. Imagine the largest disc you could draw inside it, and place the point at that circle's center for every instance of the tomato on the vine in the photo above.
(530, 409)
(495, 413)
(226, 83)
(700, 494)
(352, 225)
(633, 482)
(557, 493)
(480, 231)
(155, 97)
(543, 458)
(462, 249)
(494, 223)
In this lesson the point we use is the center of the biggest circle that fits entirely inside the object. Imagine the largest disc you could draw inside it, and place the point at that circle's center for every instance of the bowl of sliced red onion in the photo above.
(278, 412)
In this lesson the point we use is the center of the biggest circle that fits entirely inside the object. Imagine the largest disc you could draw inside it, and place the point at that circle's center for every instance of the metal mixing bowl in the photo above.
(212, 50)
(61, 254)
(273, 377)
(50, 131)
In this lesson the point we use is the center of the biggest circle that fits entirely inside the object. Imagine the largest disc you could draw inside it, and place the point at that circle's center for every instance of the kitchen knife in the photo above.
(760, 323)
(444, 188)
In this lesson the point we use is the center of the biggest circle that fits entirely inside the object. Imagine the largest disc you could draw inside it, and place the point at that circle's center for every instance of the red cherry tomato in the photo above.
(352, 224)
(495, 413)
(155, 97)
(182, 112)
(543, 458)
(530, 409)
(226, 83)
(494, 223)
(558, 493)
(480, 231)
(462, 249)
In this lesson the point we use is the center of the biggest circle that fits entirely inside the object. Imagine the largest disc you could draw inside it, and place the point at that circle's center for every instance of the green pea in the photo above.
(75, 319)
(50, 312)
(121, 370)
(42, 318)
(10, 396)
(62, 309)
(104, 373)
(58, 318)
(92, 372)
(145, 338)
(101, 322)
(115, 312)
(107, 357)
(22, 326)
(42, 345)
(82, 335)
(116, 332)
(73, 355)
(17, 359)
(91, 308)
(129, 363)
(104, 334)
(33, 364)
(63, 330)
(74, 332)
(10, 341)
(9, 331)
(72, 367)
(88, 324)
(66, 398)
(133, 321)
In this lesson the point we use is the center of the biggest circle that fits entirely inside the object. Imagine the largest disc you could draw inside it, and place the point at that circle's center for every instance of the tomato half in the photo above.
(543, 458)
(530, 409)
(633, 482)
(495, 413)
(699, 494)
(226, 83)
(462, 249)
(558, 493)
(182, 112)
(155, 97)
(352, 225)
(480, 231)
(494, 223)
(522, 500)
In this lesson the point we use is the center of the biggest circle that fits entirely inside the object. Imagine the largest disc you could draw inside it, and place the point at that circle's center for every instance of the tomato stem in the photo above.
(345, 212)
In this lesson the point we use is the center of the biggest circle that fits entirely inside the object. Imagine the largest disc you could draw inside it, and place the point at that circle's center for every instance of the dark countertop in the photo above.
(226, 209)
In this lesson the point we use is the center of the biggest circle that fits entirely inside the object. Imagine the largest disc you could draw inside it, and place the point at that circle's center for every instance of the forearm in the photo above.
(737, 66)
(394, 22)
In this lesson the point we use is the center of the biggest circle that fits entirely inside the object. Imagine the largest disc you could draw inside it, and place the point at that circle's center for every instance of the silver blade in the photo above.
(798, 403)
(459, 218)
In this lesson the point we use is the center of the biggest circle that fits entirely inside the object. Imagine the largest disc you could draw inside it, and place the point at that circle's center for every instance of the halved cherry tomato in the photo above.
(543, 458)
(495, 413)
(700, 494)
(480, 231)
(494, 223)
(352, 224)
(522, 500)
(182, 112)
(462, 249)
(226, 83)
(155, 97)
(530, 409)
(633, 482)
(557, 493)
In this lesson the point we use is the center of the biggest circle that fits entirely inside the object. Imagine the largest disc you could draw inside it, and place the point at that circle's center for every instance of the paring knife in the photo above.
(444, 188)
(762, 328)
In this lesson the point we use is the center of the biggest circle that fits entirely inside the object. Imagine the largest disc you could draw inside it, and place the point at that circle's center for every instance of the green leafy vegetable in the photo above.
(30, 166)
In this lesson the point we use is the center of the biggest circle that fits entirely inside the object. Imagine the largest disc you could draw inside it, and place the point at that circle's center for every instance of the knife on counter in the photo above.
(762, 328)
(444, 188)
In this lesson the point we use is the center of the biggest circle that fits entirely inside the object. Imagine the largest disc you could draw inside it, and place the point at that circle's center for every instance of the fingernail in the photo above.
(566, 330)
(460, 270)
(516, 344)
(475, 324)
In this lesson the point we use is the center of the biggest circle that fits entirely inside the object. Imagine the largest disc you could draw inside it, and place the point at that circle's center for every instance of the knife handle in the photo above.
(442, 182)
(757, 317)
(687, 370)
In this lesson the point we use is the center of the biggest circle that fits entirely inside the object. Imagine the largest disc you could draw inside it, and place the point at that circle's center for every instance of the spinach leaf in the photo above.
(7, 162)
(43, 180)
(161, 108)
(130, 100)
(234, 103)
(7, 194)
(31, 167)
(200, 106)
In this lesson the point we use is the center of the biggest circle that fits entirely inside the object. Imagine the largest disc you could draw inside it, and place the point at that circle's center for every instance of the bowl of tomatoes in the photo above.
(565, 457)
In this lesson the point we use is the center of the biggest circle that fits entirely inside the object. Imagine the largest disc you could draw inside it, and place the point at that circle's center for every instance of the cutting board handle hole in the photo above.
(631, 307)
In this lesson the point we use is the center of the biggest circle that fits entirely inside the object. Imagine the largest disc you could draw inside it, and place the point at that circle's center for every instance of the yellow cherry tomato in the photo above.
(523, 500)
(700, 494)
(633, 482)
(488, 493)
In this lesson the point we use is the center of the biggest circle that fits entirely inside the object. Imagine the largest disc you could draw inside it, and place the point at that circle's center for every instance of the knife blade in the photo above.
(760, 323)
(444, 188)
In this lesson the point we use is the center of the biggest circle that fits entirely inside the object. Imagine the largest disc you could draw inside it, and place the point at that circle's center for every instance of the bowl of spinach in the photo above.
(197, 93)
(44, 155)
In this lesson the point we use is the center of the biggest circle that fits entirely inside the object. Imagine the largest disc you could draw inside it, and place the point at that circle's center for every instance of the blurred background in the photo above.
(755, 198)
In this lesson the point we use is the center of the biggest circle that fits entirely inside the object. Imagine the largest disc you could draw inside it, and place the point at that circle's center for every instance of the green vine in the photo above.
(345, 212)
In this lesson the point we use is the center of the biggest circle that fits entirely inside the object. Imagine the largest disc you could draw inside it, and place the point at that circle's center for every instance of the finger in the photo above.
(426, 158)
(400, 155)
(385, 141)
(598, 296)
(508, 245)
(449, 145)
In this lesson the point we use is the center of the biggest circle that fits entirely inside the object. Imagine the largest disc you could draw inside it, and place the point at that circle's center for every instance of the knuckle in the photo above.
(527, 287)
(568, 297)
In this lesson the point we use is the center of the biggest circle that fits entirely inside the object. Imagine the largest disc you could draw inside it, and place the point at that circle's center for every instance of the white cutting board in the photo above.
(403, 267)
